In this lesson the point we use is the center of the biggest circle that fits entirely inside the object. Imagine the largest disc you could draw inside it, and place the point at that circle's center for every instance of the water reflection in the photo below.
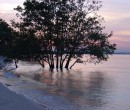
(88, 90)
(96, 90)
(102, 87)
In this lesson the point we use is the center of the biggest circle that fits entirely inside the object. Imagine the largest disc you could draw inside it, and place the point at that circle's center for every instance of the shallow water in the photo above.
(105, 86)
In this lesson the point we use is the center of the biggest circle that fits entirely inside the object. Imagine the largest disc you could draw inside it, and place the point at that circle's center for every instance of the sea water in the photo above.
(105, 86)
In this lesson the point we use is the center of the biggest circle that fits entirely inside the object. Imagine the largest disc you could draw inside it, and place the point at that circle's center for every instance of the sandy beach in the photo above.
(11, 101)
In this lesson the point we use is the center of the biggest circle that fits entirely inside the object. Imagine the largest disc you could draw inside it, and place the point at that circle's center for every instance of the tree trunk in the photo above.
(57, 62)
(61, 66)
(62, 62)
(73, 64)
(52, 62)
(42, 63)
(16, 61)
(68, 61)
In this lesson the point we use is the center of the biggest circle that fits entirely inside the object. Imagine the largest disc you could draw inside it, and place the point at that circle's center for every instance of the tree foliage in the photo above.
(5, 38)
(7, 42)
(57, 31)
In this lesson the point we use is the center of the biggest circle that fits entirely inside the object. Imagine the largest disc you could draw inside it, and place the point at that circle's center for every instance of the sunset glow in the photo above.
(115, 12)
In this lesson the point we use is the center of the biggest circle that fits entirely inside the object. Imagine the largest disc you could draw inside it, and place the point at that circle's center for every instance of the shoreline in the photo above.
(34, 91)
(10, 100)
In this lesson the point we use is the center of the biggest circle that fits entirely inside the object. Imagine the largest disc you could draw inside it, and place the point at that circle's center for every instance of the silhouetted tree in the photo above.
(64, 29)
(5, 37)
(7, 42)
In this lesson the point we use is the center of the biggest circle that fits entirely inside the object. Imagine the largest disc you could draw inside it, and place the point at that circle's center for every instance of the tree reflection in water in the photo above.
(84, 89)
(96, 90)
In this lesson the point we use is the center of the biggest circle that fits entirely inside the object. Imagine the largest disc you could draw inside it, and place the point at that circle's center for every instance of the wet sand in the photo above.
(11, 101)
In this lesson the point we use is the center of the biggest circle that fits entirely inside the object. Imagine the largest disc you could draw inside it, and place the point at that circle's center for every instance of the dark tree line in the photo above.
(7, 42)
(57, 31)
(5, 37)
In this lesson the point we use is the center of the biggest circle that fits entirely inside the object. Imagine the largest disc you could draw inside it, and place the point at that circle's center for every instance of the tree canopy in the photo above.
(5, 38)
(57, 31)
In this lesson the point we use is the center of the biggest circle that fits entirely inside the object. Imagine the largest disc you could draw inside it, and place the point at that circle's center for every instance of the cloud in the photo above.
(8, 16)
(7, 11)
(8, 5)
(119, 38)
(115, 11)
(117, 18)
(123, 33)
(11, 1)
(122, 42)
(119, 24)
(115, 8)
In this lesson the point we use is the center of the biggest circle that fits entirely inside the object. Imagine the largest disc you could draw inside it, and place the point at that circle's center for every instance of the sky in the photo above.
(115, 12)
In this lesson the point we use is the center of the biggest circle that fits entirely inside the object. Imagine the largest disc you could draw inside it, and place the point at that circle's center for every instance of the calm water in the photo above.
(105, 86)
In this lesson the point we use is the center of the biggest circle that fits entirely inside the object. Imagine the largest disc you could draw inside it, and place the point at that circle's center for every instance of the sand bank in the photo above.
(11, 101)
